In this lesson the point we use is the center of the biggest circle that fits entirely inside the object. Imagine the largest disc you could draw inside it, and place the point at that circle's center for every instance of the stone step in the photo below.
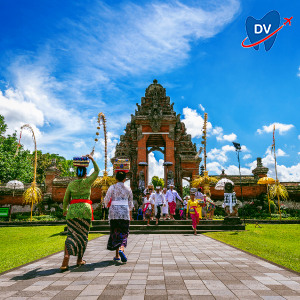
(169, 222)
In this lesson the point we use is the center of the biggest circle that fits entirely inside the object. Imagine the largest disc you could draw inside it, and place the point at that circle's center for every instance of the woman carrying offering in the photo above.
(192, 209)
(210, 208)
(148, 207)
(80, 212)
(119, 199)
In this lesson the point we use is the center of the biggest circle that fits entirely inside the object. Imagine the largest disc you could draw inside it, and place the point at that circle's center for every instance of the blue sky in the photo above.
(63, 62)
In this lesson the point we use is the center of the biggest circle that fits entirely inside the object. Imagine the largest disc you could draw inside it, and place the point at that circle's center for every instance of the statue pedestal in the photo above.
(232, 221)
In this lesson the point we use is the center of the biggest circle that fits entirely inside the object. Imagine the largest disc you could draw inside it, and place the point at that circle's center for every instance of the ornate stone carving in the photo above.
(156, 111)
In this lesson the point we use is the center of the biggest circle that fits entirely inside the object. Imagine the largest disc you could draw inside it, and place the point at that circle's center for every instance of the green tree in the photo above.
(13, 167)
(185, 191)
(156, 181)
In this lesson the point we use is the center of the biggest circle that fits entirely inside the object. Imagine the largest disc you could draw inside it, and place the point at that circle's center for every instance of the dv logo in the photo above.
(264, 30)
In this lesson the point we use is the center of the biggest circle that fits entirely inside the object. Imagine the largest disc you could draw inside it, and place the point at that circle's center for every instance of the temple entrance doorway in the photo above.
(155, 161)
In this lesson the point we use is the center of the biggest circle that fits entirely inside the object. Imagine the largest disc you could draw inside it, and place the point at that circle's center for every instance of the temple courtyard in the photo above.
(177, 266)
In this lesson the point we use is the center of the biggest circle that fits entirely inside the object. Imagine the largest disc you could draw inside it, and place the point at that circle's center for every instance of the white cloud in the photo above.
(123, 40)
(247, 156)
(282, 128)
(299, 137)
(79, 144)
(194, 122)
(201, 107)
(155, 167)
(217, 131)
(227, 137)
(298, 74)
(281, 153)
(220, 155)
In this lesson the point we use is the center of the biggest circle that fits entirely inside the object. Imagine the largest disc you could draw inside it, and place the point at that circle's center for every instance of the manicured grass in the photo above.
(21, 245)
(277, 243)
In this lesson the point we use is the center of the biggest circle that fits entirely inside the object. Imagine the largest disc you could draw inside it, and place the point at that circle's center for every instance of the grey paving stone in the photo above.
(158, 267)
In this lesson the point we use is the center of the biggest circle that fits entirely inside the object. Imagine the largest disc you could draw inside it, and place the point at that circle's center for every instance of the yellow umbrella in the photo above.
(267, 181)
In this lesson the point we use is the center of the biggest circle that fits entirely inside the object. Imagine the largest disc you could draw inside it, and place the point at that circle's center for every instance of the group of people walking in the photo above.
(77, 207)
(159, 202)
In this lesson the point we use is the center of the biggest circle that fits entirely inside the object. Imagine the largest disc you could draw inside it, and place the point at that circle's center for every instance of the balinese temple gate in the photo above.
(155, 126)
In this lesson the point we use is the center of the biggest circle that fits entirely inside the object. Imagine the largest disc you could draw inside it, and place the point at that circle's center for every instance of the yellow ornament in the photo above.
(96, 140)
(98, 127)
(97, 133)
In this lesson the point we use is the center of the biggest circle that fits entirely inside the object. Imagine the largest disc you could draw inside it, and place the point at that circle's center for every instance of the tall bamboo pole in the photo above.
(277, 181)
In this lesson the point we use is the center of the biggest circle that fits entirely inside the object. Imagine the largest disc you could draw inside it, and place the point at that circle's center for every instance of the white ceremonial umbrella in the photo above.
(14, 185)
(220, 185)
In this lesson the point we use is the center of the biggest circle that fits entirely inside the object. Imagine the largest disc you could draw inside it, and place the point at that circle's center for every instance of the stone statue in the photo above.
(230, 202)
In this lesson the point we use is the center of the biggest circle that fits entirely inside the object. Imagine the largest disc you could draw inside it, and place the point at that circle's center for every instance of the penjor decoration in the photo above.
(204, 180)
(277, 189)
(106, 181)
(33, 194)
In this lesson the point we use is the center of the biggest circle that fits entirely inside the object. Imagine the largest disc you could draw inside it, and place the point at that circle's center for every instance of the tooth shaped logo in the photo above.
(258, 30)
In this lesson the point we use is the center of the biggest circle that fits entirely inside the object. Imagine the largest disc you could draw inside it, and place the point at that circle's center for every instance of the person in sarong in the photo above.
(192, 209)
(210, 208)
(165, 208)
(185, 201)
(148, 207)
(119, 199)
(202, 203)
(159, 201)
(80, 212)
(171, 197)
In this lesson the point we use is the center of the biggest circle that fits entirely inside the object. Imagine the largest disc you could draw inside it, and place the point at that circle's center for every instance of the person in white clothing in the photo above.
(185, 202)
(165, 208)
(171, 197)
(148, 207)
(159, 201)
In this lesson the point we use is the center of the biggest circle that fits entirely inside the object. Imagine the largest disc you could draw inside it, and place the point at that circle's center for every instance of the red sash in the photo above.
(146, 206)
(74, 201)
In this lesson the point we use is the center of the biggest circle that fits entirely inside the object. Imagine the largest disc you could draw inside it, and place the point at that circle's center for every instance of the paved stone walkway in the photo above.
(158, 267)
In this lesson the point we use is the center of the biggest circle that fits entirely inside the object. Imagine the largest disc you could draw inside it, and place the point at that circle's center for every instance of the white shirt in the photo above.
(148, 200)
(119, 192)
(185, 204)
(158, 198)
(172, 195)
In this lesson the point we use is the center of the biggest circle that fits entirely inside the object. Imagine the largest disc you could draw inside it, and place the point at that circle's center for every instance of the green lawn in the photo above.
(277, 243)
(20, 245)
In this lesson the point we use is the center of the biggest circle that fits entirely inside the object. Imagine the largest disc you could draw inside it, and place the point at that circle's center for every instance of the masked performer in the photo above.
(119, 199)
(230, 202)
(80, 212)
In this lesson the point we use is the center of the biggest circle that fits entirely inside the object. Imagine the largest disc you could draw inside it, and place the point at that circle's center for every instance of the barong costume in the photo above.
(80, 211)
(171, 197)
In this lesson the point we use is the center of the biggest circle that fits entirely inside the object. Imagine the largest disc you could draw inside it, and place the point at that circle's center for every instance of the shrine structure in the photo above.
(155, 126)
